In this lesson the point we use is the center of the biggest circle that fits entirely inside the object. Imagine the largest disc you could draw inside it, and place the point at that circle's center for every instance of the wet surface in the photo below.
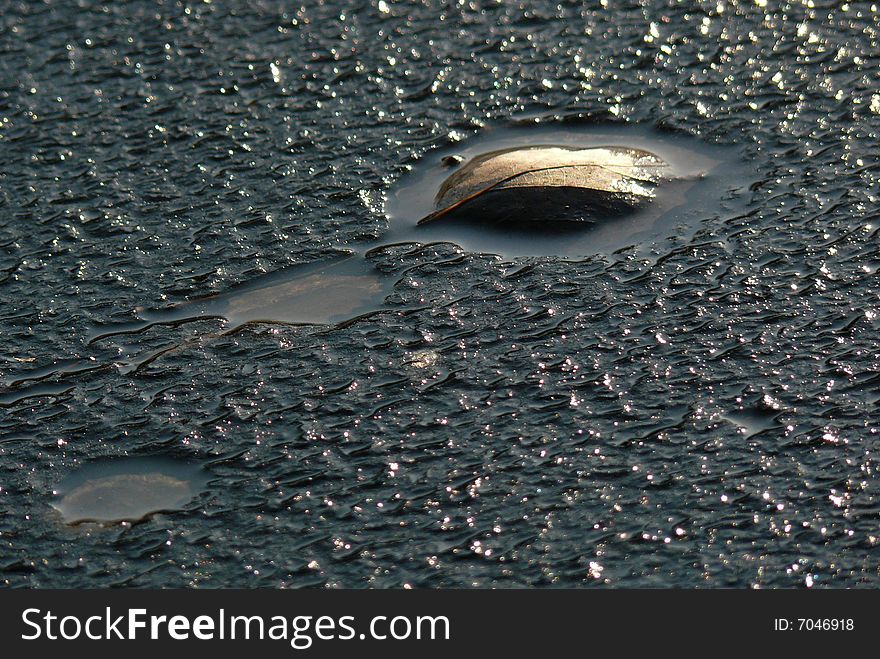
(585, 417)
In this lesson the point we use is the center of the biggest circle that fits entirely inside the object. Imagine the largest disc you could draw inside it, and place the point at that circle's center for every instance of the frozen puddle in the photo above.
(324, 293)
(127, 490)
(700, 182)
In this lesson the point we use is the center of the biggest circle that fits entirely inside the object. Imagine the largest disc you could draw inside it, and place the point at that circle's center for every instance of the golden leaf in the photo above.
(600, 177)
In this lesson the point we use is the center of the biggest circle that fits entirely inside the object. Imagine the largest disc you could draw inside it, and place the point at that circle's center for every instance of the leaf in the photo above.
(604, 174)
